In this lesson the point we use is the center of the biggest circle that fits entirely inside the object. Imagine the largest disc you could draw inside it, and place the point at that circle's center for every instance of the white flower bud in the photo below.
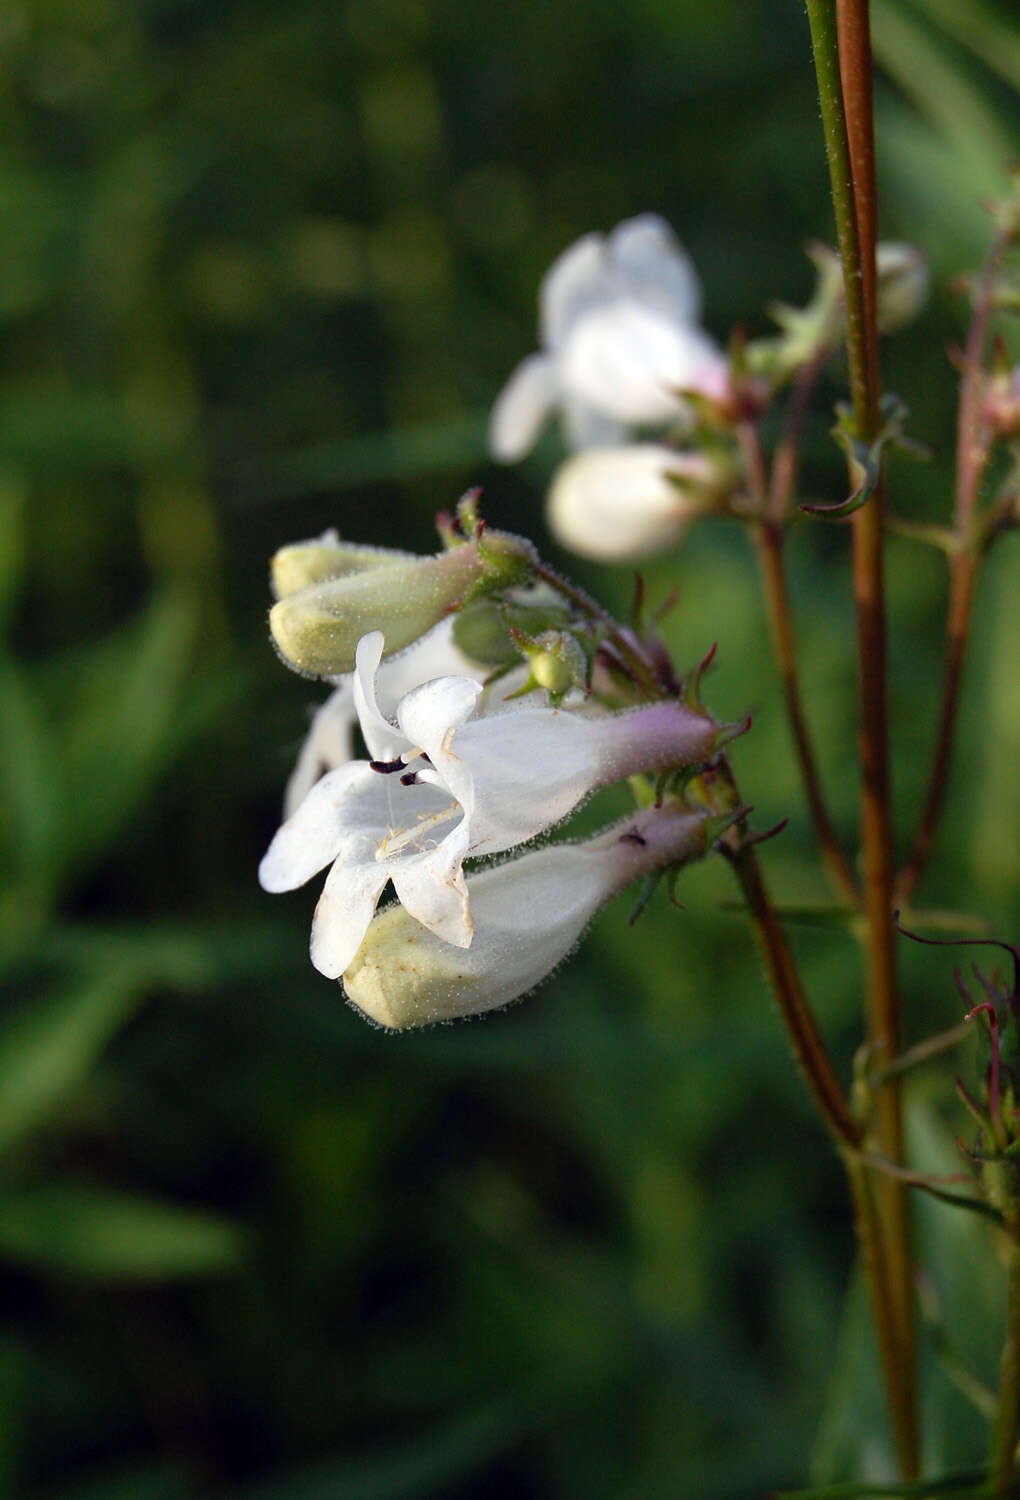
(296, 566)
(317, 628)
(618, 504)
(528, 915)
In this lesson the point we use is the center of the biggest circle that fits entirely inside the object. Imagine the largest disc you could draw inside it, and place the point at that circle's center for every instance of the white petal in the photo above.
(383, 741)
(530, 770)
(628, 361)
(617, 504)
(521, 409)
(575, 281)
(329, 743)
(350, 802)
(431, 888)
(528, 914)
(433, 655)
(655, 267)
(430, 717)
(343, 913)
(584, 426)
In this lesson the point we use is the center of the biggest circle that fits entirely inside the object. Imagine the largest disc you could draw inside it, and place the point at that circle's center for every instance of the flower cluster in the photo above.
(463, 763)
(624, 357)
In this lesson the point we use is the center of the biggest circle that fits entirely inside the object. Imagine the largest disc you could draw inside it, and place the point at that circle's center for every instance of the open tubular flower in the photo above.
(443, 785)
(620, 335)
(330, 739)
(618, 504)
(529, 912)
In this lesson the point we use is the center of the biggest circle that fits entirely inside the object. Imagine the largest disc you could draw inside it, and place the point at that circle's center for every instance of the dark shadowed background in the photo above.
(263, 268)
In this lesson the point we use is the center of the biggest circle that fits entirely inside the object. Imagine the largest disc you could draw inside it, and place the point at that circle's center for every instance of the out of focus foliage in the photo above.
(262, 268)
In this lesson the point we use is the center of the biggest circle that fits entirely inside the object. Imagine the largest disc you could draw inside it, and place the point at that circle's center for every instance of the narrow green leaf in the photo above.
(123, 735)
(13, 498)
(944, 94)
(29, 789)
(49, 1047)
(444, 1455)
(88, 1231)
(976, 26)
(970, 1486)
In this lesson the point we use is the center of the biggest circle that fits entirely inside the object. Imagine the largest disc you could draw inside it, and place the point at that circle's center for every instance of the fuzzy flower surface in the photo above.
(444, 785)
(529, 913)
(620, 338)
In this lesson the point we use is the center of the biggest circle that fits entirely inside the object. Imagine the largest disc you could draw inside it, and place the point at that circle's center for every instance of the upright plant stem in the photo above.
(767, 531)
(971, 456)
(844, 84)
(805, 1039)
(768, 540)
(810, 1053)
(1006, 1428)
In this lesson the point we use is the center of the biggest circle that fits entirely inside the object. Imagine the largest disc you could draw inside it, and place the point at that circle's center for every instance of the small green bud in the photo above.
(482, 630)
(317, 627)
(903, 284)
(557, 662)
(302, 563)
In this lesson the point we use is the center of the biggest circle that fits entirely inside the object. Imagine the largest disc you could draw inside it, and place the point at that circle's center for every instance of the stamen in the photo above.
(410, 778)
(387, 767)
(398, 838)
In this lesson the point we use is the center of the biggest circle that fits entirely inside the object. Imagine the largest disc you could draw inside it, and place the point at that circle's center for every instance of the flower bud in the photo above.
(1001, 405)
(528, 915)
(317, 628)
(482, 629)
(904, 282)
(557, 662)
(618, 504)
(301, 563)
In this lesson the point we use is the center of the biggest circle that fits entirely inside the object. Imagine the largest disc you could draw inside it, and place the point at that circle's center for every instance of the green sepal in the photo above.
(865, 459)
(648, 888)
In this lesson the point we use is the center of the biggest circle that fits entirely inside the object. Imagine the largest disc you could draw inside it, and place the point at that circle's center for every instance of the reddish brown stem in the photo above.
(972, 443)
(962, 577)
(854, 49)
(768, 539)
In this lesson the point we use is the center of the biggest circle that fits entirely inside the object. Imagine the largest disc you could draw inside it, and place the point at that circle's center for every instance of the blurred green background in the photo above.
(263, 268)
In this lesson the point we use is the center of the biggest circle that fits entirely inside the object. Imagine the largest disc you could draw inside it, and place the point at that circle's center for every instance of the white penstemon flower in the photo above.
(529, 913)
(330, 739)
(620, 335)
(621, 504)
(442, 786)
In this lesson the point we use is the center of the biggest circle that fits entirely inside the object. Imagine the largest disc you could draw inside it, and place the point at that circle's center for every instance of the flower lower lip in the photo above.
(397, 839)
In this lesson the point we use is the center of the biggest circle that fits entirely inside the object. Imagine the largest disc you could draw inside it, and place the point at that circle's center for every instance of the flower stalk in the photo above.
(841, 44)
(806, 1041)
(767, 533)
(971, 458)
(1006, 1427)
